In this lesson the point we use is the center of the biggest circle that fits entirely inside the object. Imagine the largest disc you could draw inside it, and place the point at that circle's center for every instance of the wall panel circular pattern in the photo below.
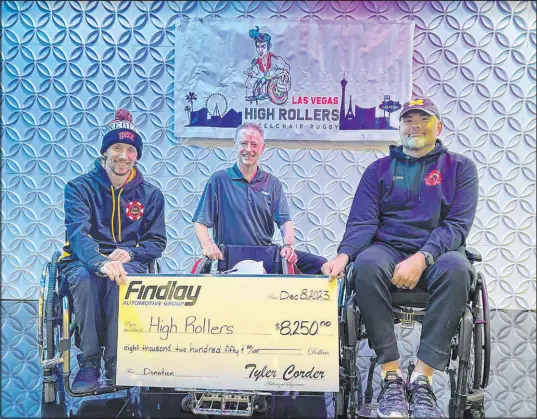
(66, 67)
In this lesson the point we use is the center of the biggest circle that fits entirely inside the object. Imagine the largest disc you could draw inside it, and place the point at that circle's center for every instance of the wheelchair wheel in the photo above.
(51, 304)
(476, 364)
(348, 400)
(481, 338)
(52, 310)
(276, 96)
(186, 403)
(486, 333)
(202, 266)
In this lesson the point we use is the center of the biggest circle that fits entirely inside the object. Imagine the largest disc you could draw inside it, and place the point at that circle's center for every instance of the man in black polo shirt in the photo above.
(242, 203)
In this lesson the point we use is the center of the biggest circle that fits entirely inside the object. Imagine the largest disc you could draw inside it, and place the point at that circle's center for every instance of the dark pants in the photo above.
(96, 304)
(447, 280)
(308, 263)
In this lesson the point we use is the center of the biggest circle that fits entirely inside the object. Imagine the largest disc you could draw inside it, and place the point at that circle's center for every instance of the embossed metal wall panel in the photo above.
(66, 66)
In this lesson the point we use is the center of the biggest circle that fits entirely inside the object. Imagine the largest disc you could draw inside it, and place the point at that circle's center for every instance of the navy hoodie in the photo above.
(100, 218)
(413, 204)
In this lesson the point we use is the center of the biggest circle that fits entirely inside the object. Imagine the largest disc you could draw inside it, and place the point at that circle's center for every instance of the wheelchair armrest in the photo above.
(473, 255)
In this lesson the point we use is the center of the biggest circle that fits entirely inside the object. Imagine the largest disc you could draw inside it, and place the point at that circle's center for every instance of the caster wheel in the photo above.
(49, 391)
(186, 403)
(260, 405)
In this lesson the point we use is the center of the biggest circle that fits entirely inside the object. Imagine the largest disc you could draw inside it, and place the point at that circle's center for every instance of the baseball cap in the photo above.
(421, 104)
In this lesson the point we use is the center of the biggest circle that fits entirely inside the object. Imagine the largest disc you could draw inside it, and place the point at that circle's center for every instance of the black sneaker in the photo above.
(392, 400)
(422, 399)
(87, 377)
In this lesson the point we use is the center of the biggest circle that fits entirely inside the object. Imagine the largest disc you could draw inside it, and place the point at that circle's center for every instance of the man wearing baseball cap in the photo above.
(407, 227)
(114, 223)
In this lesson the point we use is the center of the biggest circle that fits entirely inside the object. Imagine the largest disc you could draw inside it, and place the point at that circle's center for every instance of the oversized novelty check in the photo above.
(239, 332)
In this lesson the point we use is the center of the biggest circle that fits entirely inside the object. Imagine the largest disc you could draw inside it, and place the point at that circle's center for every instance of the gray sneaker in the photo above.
(392, 400)
(422, 399)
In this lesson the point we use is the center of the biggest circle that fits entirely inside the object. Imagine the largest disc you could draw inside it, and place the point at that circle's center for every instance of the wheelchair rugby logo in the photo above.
(135, 210)
(269, 75)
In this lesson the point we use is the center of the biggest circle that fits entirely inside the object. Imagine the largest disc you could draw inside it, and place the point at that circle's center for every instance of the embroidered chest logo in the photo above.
(135, 210)
(433, 178)
(265, 193)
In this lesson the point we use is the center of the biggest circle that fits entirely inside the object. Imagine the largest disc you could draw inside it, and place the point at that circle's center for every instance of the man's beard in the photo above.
(414, 143)
(115, 169)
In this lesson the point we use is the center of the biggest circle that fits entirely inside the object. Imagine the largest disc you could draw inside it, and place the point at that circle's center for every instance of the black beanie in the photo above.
(122, 130)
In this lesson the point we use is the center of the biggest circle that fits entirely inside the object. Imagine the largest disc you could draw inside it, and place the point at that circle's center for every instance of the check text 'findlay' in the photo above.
(171, 291)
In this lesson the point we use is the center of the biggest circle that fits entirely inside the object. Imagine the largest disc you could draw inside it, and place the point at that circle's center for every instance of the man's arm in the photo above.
(362, 223)
(153, 239)
(208, 247)
(280, 64)
(288, 233)
(202, 234)
(453, 230)
(364, 216)
(78, 226)
(282, 218)
(204, 218)
(280, 212)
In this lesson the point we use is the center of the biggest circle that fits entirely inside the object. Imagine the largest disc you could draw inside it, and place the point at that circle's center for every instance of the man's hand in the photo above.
(335, 268)
(212, 252)
(408, 273)
(288, 253)
(120, 255)
(115, 271)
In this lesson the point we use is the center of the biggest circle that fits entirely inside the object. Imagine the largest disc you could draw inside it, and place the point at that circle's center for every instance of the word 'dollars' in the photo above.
(171, 291)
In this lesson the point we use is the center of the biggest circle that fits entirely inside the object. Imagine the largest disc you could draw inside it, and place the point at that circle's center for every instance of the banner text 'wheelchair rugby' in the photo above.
(271, 333)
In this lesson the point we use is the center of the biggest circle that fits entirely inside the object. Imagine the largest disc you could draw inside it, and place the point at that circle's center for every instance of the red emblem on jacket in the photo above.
(433, 178)
(135, 210)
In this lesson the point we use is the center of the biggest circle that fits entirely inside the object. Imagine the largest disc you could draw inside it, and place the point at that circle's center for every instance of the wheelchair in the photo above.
(235, 403)
(233, 254)
(471, 345)
(56, 325)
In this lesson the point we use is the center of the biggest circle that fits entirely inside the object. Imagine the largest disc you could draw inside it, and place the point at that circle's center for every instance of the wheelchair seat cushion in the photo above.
(416, 298)
(269, 255)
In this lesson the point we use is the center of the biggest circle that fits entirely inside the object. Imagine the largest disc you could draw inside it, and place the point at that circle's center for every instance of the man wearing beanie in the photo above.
(114, 223)
(407, 228)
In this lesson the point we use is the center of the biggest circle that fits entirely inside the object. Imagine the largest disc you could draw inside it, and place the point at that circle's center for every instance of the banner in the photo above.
(300, 80)
(236, 332)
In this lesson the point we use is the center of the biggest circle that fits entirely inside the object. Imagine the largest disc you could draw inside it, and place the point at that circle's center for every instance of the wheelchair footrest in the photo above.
(408, 317)
(229, 404)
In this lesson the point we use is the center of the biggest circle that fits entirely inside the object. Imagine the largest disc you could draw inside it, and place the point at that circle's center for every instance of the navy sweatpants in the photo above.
(96, 304)
(309, 263)
(447, 280)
